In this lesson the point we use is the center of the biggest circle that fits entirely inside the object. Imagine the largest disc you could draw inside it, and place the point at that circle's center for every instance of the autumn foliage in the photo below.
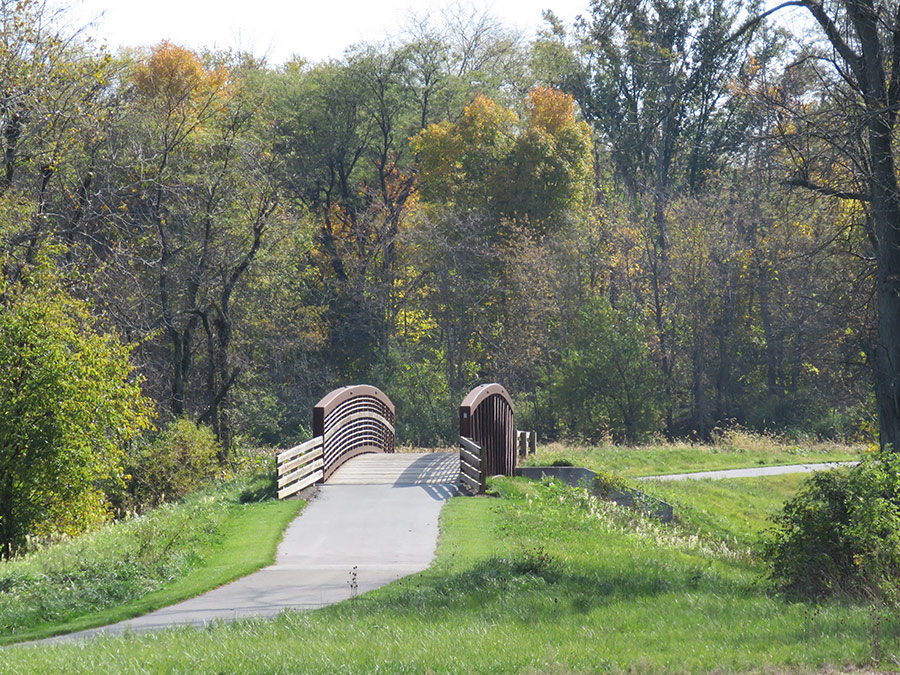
(643, 225)
(176, 75)
(490, 160)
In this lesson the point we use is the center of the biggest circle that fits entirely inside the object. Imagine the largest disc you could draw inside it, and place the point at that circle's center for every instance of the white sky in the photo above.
(314, 29)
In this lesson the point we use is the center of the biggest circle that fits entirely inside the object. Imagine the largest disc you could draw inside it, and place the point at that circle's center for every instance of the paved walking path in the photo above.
(750, 473)
(377, 515)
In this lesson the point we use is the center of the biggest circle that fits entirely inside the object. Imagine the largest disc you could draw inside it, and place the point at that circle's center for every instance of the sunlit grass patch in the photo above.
(538, 577)
(733, 449)
(733, 510)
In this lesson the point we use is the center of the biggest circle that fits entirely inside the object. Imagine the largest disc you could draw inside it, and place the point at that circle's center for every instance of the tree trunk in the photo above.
(886, 361)
(885, 197)
(769, 335)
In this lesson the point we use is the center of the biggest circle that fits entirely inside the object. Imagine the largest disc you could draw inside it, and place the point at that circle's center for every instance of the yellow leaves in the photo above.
(524, 172)
(448, 152)
(416, 324)
(176, 75)
(483, 120)
(550, 109)
(440, 148)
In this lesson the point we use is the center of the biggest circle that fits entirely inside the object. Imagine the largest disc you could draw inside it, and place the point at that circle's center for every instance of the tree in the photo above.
(175, 96)
(68, 402)
(342, 129)
(860, 69)
(607, 384)
(53, 102)
(193, 191)
(655, 79)
(536, 173)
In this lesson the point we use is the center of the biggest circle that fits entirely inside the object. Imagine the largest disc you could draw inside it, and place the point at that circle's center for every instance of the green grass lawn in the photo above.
(735, 510)
(538, 578)
(733, 450)
(135, 566)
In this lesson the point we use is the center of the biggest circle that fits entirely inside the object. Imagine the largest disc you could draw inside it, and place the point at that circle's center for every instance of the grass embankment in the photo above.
(734, 449)
(544, 578)
(137, 565)
(734, 510)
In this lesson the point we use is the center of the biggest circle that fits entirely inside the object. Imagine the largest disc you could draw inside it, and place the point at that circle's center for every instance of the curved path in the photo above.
(751, 472)
(376, 516)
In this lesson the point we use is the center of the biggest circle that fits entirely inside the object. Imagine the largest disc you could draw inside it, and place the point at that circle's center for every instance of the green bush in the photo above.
(841, 534)
(178, 461)
(68, 402)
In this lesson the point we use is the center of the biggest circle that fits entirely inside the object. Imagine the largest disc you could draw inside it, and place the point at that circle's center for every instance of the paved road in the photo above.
(750, 473)
(378, 514)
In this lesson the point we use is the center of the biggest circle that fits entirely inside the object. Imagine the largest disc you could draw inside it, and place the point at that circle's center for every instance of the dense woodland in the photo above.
(671, 217)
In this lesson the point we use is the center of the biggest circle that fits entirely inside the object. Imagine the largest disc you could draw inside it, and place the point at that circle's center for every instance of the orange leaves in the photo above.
(176, 75)
(550, 109)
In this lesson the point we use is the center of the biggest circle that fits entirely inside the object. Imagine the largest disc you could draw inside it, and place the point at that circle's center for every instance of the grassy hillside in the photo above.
(732, 510)
(137, 565)
(537, 578)
(734, 449)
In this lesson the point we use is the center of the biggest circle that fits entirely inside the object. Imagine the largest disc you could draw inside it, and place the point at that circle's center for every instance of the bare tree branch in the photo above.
(800, 181)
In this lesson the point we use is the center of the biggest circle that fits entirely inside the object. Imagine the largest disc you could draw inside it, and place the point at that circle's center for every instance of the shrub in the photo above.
(178, 461)
(841, 534)
(68, 401)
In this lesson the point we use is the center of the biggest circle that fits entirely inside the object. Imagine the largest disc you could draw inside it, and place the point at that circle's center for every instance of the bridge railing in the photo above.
(526, 442)
(347, 422)
(486, 416)
(471, 475)
(351, 421)
(299, 467)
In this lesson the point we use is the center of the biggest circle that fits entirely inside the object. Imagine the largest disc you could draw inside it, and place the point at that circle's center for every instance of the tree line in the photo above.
(666, 218)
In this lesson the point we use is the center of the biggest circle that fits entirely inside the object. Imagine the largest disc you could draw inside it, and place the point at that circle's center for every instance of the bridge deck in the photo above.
(400, 468)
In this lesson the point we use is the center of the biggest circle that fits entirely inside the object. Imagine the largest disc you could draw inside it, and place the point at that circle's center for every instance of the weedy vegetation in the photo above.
(138, 564)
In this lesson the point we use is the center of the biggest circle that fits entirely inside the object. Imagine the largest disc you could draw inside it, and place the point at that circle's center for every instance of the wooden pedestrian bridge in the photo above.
(354, 443)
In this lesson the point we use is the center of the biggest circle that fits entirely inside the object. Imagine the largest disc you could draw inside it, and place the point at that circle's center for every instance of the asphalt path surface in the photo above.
(375, 521)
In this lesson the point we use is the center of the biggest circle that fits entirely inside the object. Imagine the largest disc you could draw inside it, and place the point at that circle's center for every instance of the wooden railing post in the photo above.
(526, 442)
(471, 466)
(299, 467)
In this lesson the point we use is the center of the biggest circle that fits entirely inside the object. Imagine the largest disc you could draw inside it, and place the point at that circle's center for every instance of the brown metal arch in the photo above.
(332, 400)
(352, 421)
(487, 416)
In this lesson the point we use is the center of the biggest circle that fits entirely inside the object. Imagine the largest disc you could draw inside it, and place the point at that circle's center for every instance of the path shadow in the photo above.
(437, 468)
(439, 492)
